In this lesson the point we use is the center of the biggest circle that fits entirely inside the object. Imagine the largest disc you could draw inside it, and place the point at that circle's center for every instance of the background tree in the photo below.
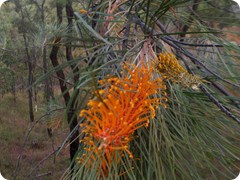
(70, 100)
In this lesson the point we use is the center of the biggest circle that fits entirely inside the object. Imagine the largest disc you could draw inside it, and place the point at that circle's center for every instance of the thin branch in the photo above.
(44, 159)
(226, 93)
(212, 98)
(43, 174)
(219, 105)
(26, 138)
(194, 44)
(190, 56)
(194, 60)
(68, 139)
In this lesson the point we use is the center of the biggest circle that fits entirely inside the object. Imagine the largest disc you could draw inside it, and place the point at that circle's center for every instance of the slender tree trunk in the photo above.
(22, 84)
(33, 67)
(47, 85)
(14, 91)
(30, 79)
(28, 62)
(51, 88)
(44, 50)
(71, 115)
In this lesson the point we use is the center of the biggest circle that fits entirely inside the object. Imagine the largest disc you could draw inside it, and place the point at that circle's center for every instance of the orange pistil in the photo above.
(126, 105)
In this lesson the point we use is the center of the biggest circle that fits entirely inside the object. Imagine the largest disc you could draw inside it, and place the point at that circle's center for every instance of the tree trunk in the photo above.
(51, 88)
(30, 80)
(71, 115)
(47, 85)
(14, 92)
(28, 62)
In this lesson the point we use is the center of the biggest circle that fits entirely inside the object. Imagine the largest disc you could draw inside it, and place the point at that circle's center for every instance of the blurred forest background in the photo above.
(53, 52)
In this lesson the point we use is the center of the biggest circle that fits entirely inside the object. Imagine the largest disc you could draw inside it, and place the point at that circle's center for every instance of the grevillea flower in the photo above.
(168, 66)
(125, 105)
(83, 11)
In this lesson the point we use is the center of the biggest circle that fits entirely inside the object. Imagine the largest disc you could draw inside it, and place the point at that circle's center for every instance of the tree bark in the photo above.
(29, 60)
(47, 84)
(30, 80)
(71, 115)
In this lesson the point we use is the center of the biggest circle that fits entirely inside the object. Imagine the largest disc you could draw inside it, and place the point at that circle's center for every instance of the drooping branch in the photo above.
(178, 47)
(210, 96)
(185, 52)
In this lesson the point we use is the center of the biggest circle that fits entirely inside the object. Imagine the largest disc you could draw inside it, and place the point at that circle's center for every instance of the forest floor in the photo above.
(33, 150)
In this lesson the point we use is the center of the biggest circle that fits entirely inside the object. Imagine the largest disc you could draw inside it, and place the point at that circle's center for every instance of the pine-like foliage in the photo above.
(159, 90)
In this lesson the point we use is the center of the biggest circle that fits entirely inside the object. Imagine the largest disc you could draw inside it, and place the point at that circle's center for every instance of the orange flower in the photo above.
(126, 105)
(83, 11)
(169, 67)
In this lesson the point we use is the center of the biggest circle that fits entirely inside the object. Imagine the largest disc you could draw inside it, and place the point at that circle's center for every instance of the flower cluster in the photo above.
(168, 66)
(125, 105)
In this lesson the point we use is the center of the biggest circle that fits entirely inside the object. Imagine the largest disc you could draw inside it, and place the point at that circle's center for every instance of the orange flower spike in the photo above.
(126, 107)
(140, 99)
(145, 89)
